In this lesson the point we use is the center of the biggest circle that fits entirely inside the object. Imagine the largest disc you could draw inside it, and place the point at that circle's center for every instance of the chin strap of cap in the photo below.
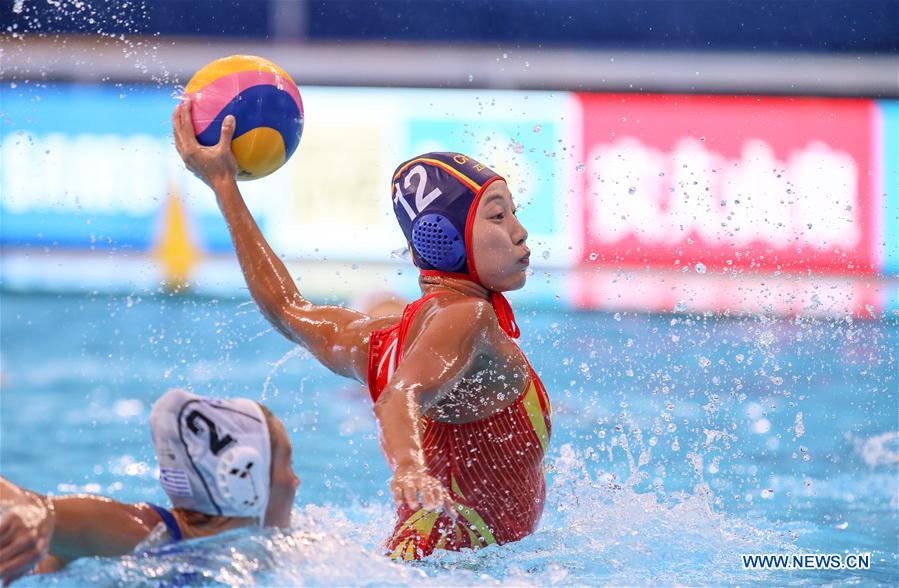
(504, 313)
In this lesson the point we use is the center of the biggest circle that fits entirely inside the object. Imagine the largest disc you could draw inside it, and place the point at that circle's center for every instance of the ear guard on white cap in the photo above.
(214, 455)
(241, 481)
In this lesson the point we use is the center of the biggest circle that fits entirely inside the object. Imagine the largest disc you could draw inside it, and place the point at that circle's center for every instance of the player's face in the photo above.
(498, 241)
(284, 481)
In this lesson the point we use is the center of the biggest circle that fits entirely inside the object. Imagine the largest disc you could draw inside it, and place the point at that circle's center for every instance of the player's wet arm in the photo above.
(26, 525)
(435, 362)
(338, 337)
(87, 525)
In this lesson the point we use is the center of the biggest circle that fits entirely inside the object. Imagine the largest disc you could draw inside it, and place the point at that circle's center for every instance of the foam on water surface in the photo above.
(593, 532)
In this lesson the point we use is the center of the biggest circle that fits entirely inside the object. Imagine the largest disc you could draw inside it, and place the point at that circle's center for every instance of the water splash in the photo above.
(296, 352)
(627, 535)
(594, 530)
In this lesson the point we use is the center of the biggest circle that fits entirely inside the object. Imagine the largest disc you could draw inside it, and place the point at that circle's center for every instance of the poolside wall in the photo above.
(738, 202)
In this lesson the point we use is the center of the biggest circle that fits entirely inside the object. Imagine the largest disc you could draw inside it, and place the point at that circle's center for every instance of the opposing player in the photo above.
(224, 464)
(465, 420)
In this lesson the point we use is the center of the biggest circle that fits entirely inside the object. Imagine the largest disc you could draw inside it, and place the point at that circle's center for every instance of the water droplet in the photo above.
(799, 426)
(585, 370)
(700, 268)
(401, 253)
(592, 257)
(632, 190)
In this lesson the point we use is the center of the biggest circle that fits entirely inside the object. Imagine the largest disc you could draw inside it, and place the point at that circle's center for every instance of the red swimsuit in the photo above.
(493, 467)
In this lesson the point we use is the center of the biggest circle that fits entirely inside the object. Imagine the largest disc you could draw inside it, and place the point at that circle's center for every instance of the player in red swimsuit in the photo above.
(465, 420)
(485, 414)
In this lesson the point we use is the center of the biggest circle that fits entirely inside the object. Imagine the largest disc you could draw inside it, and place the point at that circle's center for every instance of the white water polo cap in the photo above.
(214, 455)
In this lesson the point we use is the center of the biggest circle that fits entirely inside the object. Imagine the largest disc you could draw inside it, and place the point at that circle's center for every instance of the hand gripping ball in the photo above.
(264, 100)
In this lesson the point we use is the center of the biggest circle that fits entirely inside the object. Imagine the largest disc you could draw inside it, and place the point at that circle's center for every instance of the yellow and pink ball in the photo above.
(264, 100)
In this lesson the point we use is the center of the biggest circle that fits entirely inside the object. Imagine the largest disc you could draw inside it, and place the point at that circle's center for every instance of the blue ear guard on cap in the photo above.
(437, 241)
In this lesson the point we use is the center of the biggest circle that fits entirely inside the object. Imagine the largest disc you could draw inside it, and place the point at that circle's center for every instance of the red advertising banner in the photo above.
(712, 183)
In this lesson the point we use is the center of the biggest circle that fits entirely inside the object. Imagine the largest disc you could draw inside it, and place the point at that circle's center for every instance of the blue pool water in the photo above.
(680, 442)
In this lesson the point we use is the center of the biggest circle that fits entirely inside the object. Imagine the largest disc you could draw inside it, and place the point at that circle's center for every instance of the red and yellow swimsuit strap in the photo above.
(537, 406)
(382, 342)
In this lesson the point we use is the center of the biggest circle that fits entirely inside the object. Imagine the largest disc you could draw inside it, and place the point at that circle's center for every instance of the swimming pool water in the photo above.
(680, 442)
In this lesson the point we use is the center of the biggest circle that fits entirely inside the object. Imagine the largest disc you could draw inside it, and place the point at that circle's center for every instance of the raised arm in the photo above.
(445, 346)
(66, 528)
(337, 337)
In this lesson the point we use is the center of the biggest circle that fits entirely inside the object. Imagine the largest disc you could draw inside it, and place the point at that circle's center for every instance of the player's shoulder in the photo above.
(455, 316)
(452, 322)
(458, 307)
